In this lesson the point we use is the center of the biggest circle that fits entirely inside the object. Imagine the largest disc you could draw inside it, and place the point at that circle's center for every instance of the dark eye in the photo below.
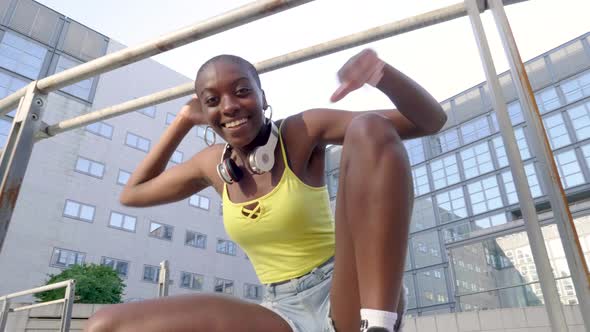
(211, 101)
(242, 91)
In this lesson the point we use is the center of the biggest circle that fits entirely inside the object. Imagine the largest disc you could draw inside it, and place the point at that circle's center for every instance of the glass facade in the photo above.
(468, 248)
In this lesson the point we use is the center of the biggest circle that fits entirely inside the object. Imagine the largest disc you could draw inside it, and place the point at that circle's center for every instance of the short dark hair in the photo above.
(233, 59)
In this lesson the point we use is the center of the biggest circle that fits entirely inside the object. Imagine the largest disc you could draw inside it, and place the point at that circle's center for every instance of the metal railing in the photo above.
(68, 302)
(28, 128)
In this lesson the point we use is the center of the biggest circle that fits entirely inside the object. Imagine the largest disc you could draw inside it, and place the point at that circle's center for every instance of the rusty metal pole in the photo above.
(17, 152)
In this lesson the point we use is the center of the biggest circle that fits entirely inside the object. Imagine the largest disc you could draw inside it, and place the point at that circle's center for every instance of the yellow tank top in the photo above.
(289, 232)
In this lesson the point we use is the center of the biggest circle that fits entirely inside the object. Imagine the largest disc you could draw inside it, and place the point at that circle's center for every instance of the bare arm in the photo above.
(417, 114)
(150, 184)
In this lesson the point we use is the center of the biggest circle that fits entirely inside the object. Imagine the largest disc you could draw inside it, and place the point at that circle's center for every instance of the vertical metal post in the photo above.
(163, 281)
(17, 152)
(66, 315)
(531, 222)
(4, 310)
(550, 176)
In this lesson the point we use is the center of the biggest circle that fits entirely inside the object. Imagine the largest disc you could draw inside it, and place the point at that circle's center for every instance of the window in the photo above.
(177, 157)
(586, 153)
(332, 180)
(426, 247)
(123, 177)
(475, 129)
(253, 292)
(21, 56)
(90, 167)
(191, 281)
(457, 232)
(151, 273)
(422, 214)
(122, 221)
(224, 286)
(226, 247)
(420, 178)
(477, 160)
(576, 88)
(76, 210)
(120, 266)
(580, 117)
(569, 169)
(170, 118)
(81, 89)
(484, 195)
(199, 201)
(433, 290)
(8, 85)
(547, 100)
(4, 131)
(445, 141)
(451, 205)
(63, 258)
(515, 113)
(532, 179)
(490, 221)
(415, 150)
(444, 171)
(149, 111)
(556, 131)
(501, 151)
(101, 128)
(195, 239)
(137, 142)
(161, 231)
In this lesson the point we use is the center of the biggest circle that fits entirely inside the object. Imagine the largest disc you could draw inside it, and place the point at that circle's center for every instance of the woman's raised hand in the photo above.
(192, 112)
(362, 68)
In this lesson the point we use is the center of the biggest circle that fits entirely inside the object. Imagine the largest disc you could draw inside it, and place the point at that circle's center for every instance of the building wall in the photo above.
(56, 181)
(468, 248)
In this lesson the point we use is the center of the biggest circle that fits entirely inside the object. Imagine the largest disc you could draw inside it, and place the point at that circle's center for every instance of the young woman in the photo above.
(317, 277)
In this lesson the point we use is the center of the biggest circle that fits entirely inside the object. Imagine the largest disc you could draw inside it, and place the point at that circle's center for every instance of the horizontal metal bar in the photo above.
(57, 285)
(231, 19)
(37, 305)
(316, 51)
(10, 102)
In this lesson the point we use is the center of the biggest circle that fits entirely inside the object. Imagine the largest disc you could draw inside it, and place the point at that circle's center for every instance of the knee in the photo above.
(102, 321)
(371, 134)
(371, 129)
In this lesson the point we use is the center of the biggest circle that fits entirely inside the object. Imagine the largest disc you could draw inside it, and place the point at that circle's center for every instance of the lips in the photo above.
(235, 124)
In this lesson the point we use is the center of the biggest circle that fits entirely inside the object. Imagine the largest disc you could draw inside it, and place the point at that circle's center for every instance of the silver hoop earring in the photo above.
(267, 107)
(205, 136)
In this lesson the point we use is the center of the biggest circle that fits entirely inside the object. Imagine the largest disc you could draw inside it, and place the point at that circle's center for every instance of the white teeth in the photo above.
(236, 123)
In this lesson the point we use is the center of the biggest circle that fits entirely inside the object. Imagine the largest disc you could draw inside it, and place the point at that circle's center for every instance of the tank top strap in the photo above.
(283, 152)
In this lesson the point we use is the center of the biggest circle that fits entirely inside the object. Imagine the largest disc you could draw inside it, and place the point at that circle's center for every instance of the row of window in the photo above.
(86, 212)
(63, 258)
(548, 99)
(486, 157)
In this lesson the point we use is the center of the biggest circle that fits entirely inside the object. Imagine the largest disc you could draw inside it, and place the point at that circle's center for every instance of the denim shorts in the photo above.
(304, 302)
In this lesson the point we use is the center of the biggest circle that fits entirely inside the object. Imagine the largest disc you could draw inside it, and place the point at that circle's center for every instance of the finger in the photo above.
(341, 92)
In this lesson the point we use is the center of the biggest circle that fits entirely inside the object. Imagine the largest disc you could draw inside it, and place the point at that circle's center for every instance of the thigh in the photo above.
(192, 313)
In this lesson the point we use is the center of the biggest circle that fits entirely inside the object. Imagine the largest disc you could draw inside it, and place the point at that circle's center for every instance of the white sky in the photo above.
(443, 58)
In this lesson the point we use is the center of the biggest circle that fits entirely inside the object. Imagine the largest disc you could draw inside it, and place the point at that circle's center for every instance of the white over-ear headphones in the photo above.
(259, 161)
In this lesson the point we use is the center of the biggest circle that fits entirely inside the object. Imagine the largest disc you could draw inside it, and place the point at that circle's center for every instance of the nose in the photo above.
(229, 106)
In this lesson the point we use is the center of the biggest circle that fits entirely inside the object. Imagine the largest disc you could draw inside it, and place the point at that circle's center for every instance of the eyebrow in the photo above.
(234, 83)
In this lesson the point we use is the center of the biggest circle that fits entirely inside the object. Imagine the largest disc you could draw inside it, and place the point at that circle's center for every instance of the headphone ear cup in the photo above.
(233, 170)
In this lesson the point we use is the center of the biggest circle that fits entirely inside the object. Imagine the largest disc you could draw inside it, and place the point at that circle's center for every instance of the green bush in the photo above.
(94, 284)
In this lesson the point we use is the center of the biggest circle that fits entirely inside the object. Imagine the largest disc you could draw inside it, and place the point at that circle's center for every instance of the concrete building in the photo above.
(468, 248)
(68, 210)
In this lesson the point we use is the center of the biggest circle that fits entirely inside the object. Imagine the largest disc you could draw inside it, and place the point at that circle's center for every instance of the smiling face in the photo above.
(232, 99)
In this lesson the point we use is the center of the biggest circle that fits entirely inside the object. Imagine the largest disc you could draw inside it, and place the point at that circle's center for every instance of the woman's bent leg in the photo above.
(373, 208)
(191, 313)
